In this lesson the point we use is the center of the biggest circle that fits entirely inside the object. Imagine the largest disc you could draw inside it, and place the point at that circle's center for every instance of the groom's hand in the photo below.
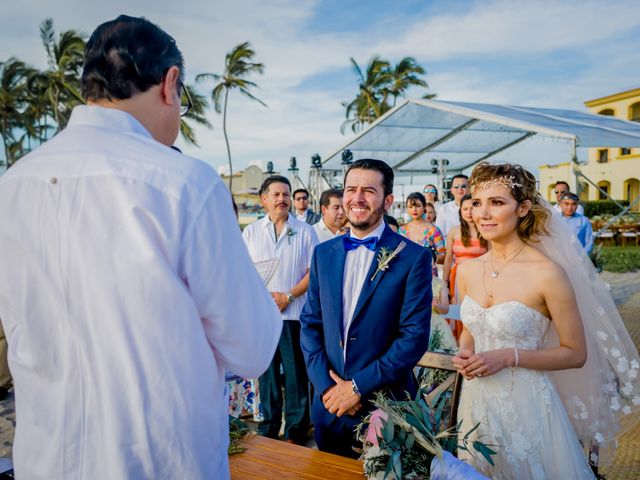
(340, 398)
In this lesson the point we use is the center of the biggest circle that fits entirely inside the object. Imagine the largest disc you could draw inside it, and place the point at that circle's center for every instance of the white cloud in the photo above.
(303, 121)
(513, 27)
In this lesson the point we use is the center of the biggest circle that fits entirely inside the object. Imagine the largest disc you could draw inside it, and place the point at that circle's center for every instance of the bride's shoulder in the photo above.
(543, 267)
(472, 265)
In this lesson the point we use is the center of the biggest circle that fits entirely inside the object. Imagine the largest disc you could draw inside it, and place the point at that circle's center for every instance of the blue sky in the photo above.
(540, 53)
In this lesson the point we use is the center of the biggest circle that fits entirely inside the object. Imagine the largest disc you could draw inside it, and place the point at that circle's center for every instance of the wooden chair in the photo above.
(629, 233)
(605, 236)
(442, 361)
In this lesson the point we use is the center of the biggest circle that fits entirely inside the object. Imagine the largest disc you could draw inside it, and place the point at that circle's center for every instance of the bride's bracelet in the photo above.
(517, 358)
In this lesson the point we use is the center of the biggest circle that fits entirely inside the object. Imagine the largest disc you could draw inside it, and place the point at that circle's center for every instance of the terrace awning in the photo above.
(416, 131)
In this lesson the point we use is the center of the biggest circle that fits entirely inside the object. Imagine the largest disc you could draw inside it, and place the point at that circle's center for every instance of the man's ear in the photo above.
(171, 86)
(388, 201)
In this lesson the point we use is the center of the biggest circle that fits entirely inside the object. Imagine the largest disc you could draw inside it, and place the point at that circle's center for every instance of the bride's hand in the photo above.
(461, 360)
(488, 363)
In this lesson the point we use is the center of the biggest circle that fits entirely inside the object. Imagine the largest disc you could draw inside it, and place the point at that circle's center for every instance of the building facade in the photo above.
(614, 170)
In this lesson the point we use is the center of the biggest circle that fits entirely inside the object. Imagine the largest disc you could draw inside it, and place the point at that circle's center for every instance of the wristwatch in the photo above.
(355, 388)
(290, 297)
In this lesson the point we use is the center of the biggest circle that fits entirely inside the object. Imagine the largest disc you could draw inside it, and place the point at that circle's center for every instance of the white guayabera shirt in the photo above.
(119, 294)
(293, 249)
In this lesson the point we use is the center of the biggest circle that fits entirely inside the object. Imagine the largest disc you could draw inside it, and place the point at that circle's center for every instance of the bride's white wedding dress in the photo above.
(519, 410)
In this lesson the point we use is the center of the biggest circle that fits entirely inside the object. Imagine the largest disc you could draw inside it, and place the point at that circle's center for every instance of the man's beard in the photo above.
(373, 219)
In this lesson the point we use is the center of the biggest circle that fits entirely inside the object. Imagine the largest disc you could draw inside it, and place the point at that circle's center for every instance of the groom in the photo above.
(363, 328)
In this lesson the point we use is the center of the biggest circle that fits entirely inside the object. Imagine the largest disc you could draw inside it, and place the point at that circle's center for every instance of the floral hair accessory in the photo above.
(504, 181)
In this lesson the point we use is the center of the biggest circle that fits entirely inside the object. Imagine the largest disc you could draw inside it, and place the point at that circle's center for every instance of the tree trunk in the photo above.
(56, 108)
(4, 141)
(226, 139)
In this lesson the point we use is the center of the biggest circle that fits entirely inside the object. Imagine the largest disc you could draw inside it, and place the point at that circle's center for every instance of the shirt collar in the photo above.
(375, 233)
(267, 221)
(107, 118)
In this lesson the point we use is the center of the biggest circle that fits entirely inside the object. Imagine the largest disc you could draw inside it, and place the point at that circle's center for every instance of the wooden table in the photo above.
(274, 460)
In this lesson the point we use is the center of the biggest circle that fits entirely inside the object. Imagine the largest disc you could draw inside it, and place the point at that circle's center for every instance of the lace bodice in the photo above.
(505, 325)
(517, 409)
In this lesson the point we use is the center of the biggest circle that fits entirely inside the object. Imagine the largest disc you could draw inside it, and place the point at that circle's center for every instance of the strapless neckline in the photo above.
(508, 302)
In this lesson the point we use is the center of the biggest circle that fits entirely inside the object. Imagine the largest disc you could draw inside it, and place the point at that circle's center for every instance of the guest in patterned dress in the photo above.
(463, 243)
(421, 229)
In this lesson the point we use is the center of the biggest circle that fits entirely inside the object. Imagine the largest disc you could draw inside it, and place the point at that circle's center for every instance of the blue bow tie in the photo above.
(351, 243)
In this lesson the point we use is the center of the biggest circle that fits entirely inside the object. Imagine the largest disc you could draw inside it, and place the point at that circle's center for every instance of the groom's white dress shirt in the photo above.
(356, 268)
(126, 292)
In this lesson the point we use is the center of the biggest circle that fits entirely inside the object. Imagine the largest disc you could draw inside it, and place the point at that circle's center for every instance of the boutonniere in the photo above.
(290, 233)
(385, 256)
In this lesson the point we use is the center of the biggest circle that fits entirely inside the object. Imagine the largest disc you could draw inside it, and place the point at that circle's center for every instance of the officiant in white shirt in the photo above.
(125, 290)
(333, 218)
(281, 237)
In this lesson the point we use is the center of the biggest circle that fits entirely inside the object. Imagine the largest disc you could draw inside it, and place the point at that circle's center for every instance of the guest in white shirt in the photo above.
(125, 289)
(561, 188)
(333, 217)
(448, 216)
(281, 236)
(301, 207)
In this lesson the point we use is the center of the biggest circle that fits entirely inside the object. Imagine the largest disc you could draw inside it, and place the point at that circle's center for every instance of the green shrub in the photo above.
(602, 207)
(620, 259)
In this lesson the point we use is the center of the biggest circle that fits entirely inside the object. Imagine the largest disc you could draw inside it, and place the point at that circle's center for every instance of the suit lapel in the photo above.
(335, 279)
(387, 241)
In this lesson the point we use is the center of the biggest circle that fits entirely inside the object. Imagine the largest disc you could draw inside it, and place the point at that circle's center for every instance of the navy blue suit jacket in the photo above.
(390, 328)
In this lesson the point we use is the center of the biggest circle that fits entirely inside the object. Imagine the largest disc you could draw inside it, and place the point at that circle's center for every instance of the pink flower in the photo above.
(375, 426)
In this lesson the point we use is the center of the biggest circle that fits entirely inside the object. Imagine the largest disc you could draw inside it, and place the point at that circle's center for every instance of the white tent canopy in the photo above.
(416, 131)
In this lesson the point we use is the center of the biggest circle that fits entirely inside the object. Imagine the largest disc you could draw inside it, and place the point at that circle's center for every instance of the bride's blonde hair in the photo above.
(522, 185)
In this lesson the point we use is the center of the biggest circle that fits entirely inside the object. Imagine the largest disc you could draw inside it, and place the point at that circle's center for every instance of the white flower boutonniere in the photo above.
(385, 256)
(290, 233)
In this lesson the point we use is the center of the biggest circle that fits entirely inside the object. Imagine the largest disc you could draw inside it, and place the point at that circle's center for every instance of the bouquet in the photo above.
(401, 439)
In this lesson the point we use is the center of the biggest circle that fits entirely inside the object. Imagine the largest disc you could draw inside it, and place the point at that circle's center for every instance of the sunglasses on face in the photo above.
(558, 192)
(464, 185)
(429, 191)
(301, 198)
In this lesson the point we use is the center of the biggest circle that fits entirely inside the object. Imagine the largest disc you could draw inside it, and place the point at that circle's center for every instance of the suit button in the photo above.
(352, 339)
(341, 345)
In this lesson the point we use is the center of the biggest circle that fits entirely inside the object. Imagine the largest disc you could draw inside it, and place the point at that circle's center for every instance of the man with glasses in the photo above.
(126, 291)
(301, 208)
(561, 188)
(448, 216)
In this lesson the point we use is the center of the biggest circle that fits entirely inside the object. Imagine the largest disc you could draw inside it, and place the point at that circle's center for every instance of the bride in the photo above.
(549, 368)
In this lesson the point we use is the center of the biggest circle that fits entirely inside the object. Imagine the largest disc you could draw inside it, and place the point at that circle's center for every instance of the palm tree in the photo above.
(13, 96)
(370, 102)
(376, 85)
(196, 114)
(238, 65)
(404, 75)
(60, 83)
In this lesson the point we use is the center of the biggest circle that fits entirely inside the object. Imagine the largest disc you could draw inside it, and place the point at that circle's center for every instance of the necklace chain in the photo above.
(496, 271)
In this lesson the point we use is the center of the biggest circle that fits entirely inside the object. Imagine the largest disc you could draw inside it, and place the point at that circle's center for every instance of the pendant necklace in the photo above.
(496, 271)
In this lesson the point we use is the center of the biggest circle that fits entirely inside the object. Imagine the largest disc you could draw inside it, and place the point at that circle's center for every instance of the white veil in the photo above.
(603, 397)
